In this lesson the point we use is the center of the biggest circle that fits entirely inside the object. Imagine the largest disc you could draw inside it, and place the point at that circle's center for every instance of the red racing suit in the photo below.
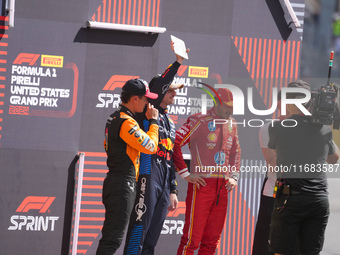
(216, 154)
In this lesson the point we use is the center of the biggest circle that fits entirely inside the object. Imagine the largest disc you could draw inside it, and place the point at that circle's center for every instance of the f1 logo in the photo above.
(118, 81)
(35, 203)
(26, 58)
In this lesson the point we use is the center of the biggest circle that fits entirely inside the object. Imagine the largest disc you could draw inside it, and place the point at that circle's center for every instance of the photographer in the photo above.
(301, 208)
(260, 244)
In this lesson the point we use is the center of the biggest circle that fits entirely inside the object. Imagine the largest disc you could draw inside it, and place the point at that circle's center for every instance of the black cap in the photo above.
(297, 84)
(172, 85)
(138, 87)
(153, 82)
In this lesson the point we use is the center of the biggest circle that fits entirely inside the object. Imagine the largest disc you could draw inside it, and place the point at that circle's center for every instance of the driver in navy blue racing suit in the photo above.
(156, 184)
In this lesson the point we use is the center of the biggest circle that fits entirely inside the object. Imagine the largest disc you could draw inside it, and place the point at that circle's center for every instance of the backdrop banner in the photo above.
(59, 82)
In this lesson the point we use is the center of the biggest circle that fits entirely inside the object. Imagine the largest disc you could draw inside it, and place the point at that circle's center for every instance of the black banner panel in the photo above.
(60, 80)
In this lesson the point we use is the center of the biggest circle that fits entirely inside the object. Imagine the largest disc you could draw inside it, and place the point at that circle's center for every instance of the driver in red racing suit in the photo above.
(216, 154)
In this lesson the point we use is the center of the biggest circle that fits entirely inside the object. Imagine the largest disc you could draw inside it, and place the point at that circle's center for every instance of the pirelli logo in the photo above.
(52, 61)
(197, 71)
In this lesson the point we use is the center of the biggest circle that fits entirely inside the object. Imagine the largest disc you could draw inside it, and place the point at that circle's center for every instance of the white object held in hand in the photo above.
(179, 47)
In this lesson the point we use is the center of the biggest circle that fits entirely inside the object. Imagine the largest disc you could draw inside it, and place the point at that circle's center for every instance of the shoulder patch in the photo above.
(145, 142)
(132, 130)
(150, 146)
(138, 134)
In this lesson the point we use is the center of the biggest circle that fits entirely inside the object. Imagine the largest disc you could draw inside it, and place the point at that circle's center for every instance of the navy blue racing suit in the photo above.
(156, 178)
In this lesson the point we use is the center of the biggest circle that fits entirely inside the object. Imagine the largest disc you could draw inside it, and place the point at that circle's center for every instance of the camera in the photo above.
(325, 105)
